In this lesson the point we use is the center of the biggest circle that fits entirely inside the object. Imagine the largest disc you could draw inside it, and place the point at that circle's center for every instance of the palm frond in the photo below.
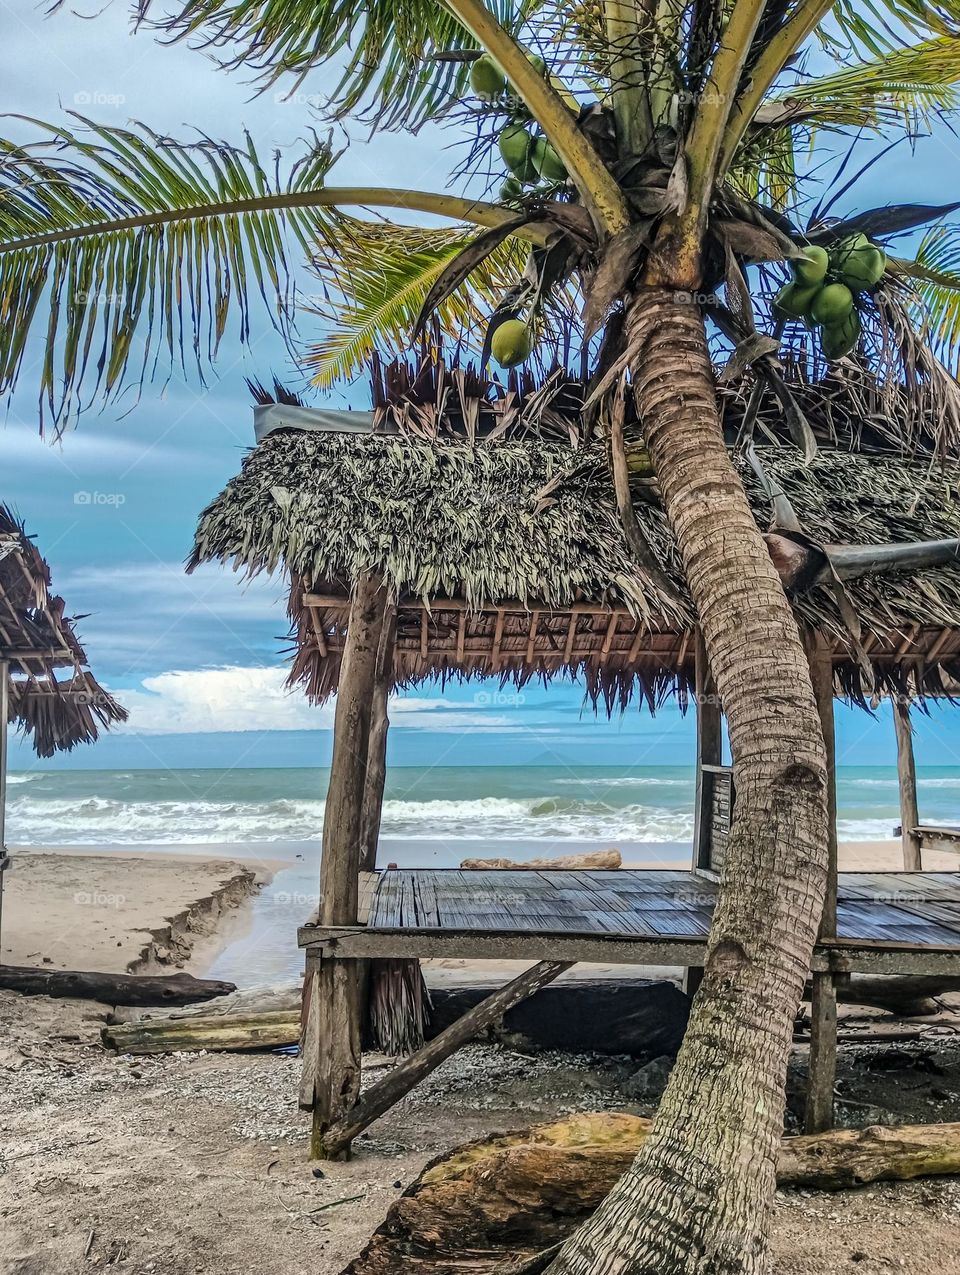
(876, 27)
(906, 86)
(117, 298)
(389, 47)
(935, 276)
(379, 281)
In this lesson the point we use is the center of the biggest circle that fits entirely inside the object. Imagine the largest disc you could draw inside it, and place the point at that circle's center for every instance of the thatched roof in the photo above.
(508, 559)
(37, 639)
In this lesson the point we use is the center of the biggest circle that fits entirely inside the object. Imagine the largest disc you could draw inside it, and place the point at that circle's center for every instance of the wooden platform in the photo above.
(891, 922)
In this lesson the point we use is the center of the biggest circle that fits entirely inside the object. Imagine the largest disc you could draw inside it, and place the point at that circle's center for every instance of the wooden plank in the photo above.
(366, 891)
(840, 955)
(944, 840)
(907, 782)
(381, 1096)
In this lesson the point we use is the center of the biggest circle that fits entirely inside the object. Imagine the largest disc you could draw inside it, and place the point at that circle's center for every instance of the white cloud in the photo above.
(201, 701)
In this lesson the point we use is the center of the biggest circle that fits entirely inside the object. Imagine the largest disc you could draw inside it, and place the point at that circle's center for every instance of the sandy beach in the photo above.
(122, 911)
(197, 1164)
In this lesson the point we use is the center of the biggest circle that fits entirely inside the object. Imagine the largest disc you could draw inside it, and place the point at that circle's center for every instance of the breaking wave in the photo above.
(99, 820)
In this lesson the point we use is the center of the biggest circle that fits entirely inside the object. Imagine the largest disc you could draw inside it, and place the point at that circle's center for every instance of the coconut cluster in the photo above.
(528, 155)
(826, 287)
(531, 161)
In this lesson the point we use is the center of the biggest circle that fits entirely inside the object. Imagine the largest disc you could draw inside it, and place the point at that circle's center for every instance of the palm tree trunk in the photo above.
(698, 1197)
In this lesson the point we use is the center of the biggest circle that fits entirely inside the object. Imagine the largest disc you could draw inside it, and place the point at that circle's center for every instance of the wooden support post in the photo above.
(377, 750)
(709, 753)
(907, 779)
(4, 737)
(823, 1003)
(381, 1096)
(334, 990)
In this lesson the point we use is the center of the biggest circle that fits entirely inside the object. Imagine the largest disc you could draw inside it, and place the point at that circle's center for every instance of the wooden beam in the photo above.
(376, 777)
(822, 1068)
(840, 956)
(709, 751)
(571, 634)
(381, 1096)
(822, 1072)
(907, 781)
(532, 635)
(497, 641)
(821, 673)
(336, 1081)
(333, 601)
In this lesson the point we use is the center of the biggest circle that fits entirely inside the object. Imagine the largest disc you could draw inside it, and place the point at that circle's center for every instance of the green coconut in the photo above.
(858, 262)
(838, 339)
(511, 343)
(812, 266)
(794, 299)
(638, 461)
(546, 161)
(487, 81)
(515, 147)
(832, 304)
(510, 191)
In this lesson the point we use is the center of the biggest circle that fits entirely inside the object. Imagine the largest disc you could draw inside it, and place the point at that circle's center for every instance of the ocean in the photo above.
(435, 808)
(432, 817)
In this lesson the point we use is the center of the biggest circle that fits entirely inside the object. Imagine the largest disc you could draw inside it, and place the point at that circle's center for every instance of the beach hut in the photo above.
(462, 529)
(46, 689)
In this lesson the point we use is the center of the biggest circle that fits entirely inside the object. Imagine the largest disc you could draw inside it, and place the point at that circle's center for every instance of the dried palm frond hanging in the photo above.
(398, 1006)
(36, 640)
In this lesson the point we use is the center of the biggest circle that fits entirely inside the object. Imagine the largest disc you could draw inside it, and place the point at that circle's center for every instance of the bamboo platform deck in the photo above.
(890, 922)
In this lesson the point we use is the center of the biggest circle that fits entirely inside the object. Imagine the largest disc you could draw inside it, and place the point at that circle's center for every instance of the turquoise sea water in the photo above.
(433, 817)
(649, 804)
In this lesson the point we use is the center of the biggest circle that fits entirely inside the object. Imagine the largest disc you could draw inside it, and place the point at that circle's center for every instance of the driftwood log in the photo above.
(225, 1033)
(631, 1016)
(634, 1017)
(112, 989)
(513, 1196)
(593, 860)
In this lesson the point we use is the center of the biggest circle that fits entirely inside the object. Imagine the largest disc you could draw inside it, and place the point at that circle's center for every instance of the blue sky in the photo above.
(198, 659)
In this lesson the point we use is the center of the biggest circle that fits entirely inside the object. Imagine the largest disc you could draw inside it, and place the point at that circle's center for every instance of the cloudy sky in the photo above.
(199, 659)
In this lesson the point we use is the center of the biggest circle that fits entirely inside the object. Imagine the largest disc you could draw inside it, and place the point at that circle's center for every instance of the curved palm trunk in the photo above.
(698, 1196)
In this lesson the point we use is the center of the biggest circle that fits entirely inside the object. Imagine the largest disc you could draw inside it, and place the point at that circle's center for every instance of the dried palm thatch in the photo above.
(36, 639)
(507, 558)
(398, 1006)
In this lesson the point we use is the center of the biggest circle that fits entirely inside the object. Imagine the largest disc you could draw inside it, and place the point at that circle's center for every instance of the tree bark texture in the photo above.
(697, 1199)
(491, 1205)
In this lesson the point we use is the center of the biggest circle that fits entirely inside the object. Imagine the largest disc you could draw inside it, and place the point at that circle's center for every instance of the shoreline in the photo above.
(231, 912)
(123, 911)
